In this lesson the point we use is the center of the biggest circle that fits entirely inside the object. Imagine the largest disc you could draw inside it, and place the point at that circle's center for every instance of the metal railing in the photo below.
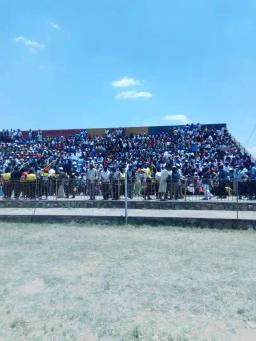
(185, 188)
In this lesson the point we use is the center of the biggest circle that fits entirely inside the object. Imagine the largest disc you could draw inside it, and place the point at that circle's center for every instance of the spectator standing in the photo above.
(31, 184)
(130, 181)
(252, 183)
(223, 180)
(105, 182)
(15, 178)
(7, 185)
(148, 185)
(206, 181)
(91, 178)
(116, 184)
(137, 185)
(163, 183)
(61, 180)
(175, 183)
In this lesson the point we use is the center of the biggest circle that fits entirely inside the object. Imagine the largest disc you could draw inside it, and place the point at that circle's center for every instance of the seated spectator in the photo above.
(188, 150)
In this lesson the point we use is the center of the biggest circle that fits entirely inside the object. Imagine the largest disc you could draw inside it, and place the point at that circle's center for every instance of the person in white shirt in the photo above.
(157, 181)
(116, 184)
(105, 182)
(163, 183)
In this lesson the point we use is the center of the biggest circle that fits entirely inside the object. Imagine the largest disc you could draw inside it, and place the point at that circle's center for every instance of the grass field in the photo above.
(107, 283)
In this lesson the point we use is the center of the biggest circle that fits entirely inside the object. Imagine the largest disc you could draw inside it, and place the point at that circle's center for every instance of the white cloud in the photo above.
(177, 118)
(55, 25)
(125, 82)
(133, 94)
(32, 45)
(252, 150)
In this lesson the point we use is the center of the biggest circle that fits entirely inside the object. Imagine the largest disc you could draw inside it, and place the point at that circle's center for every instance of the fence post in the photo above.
(126, 194)
(237, 203)
(185, 189)
(56, 188)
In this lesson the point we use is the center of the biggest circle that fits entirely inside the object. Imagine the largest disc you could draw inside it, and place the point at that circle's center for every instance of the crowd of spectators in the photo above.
(186, 160)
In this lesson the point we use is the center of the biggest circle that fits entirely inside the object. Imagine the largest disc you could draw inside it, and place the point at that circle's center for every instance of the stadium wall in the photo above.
(151, 130)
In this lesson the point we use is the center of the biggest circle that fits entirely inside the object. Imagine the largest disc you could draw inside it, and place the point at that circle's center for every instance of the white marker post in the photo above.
(126, 194)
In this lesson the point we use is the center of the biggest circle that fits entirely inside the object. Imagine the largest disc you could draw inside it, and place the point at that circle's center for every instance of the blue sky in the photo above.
(117, 63)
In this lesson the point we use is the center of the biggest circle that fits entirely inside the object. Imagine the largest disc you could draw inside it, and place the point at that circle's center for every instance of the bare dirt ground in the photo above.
(67, 282)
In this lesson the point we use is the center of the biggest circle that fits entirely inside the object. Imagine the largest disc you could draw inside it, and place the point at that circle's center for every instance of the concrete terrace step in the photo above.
(205, 218)
(115, 212)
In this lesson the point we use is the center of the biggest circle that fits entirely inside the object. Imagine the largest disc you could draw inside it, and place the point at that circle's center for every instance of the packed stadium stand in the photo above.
(164, 162)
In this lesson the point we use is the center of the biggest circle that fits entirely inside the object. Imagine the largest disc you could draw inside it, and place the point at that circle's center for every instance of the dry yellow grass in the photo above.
(106, 283)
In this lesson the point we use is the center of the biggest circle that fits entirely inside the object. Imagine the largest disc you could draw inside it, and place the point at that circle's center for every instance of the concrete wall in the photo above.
(128, 130)
(166, 205)
(136, 131)
(152, 221)
(96, 132)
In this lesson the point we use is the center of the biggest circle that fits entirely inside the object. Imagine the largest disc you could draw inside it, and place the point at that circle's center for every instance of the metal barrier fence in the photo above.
(187, 189)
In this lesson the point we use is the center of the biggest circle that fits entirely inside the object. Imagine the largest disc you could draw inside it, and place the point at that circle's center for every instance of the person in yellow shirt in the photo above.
(7, 184)
(148, 181)
(31, 184)
(43, 184)
(23, 183)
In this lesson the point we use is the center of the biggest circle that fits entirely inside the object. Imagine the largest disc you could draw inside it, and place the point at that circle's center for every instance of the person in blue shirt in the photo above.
(252, 182)
(223, 181)
(206, 181)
